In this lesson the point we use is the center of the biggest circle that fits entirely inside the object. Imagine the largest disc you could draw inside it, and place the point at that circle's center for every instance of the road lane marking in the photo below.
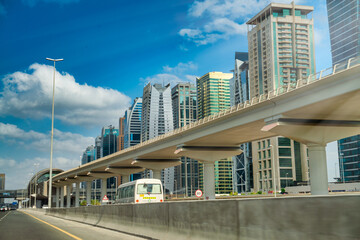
(4, 216)
(63, 231)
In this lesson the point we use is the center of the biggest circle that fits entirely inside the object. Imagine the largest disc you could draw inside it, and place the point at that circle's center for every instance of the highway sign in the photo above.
(198, 193)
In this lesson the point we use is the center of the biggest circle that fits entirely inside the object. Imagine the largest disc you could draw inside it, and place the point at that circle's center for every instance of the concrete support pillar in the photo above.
(209, 180)
(157, 174)
(88, 192)
(318, 169)
(125, 179)
(57, 196)
(77, 194)
(103, 188)
(62, 196)
(68, 195)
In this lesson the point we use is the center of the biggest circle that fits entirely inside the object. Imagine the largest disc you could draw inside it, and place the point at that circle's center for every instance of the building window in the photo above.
(285, 152)
(284, 141)
(285, 162)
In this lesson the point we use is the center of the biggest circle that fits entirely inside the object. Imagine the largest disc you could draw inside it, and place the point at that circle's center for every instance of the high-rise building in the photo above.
(344, 25)
(157, 113)
(132, 129)
(109, 145)
(213, 95)
(89, 155)
(2, 185)
(157, 119)
(281, 47)
(98, 147)
(109, 140)
(281, 51)
(184, 107)
(121, 133)
(240, 93)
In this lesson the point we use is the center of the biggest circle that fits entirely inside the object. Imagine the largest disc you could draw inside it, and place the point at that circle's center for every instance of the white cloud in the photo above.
(18, 174)
(221, 19)
(181, 68)
(173, 75)
(191, 33)
(64, 142)
(29, 95)
(163, 78)
(67, 150)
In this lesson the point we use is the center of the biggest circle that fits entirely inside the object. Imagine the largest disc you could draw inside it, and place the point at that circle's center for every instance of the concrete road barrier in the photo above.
(310, 217)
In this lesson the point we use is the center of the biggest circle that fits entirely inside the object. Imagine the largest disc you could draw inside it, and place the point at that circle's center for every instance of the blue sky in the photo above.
(111, 49)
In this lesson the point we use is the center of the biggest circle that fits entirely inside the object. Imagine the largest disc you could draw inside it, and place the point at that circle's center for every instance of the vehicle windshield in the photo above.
(148, 188)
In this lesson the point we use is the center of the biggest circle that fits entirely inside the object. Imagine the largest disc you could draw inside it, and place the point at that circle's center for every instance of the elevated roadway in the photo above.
(314, 111)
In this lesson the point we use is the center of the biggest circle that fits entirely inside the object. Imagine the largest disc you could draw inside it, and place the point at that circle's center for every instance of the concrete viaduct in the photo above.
(315, 111)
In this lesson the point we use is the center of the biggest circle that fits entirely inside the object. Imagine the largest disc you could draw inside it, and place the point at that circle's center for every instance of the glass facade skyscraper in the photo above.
(213, 95)
(89, 155)
(184, 107)
(109, 145)
(240, 92)
(157, 119)
(132, 129)
(344, 26)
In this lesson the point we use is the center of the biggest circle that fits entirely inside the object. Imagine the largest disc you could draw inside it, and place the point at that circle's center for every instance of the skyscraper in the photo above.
(109, 145)
(89, 155)
(121, 133)
(132, 129)
(213, 95)
(344, 25)
(109, 140)
(281, 47)
(157, 113)
(281, 51)
(157, 119)
(184, 106)
(240, 92)
(98, 147)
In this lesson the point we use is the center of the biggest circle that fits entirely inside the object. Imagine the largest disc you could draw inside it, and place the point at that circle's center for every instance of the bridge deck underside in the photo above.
(334, 98)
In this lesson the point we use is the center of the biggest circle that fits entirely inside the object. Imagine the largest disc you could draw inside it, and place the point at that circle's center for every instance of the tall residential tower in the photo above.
(281, 51)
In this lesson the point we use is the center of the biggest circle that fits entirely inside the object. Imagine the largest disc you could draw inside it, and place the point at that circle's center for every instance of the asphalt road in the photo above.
(36, 225)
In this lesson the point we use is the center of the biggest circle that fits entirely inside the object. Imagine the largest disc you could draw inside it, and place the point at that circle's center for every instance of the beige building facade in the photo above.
(281, 51)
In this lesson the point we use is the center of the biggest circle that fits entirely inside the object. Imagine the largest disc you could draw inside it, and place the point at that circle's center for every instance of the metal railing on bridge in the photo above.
(350, 63)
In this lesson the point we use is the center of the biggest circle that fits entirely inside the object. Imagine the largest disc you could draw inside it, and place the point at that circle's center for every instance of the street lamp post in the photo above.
(186, 178)
(287, 180)
(343, 169)
(274, 166)
(176, 189)
(36, 166)
(30, 190)
(52, 131)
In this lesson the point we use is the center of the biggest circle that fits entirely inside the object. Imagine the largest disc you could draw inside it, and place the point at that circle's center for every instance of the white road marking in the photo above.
(4, 216)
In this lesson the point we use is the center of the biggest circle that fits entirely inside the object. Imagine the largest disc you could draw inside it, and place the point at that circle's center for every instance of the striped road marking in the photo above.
(67, 233)
(4, 216)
